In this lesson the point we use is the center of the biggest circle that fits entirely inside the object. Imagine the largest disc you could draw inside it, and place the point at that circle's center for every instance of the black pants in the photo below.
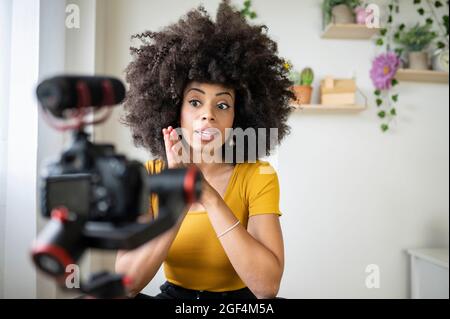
(171, 291)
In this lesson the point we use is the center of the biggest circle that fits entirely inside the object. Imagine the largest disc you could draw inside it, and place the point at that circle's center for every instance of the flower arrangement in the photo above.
(384, 68)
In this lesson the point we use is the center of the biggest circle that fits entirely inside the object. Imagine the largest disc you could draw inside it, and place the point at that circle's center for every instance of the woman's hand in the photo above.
(173, 148)
(209, 194)
(177, 158)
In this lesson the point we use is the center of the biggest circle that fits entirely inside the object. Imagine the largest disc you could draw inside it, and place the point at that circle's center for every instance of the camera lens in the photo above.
(60, 244)
(49, 264)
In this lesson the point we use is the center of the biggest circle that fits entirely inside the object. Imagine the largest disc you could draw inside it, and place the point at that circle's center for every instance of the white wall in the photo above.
(5, 43)
(351, 196)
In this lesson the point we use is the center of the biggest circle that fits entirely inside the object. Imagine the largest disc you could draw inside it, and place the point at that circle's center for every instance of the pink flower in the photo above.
(383, 70)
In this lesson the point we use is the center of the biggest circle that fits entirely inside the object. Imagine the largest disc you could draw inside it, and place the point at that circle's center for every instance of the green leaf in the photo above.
(401, 27)
(441, 45)
(446, 23)
(393, 112)
(253, 15)
(398, 51)
(416, 1)
(379, 102)
(384, 127)
(438, 4)
(389, 19)
(429, 21)
(383, 32)
(394, 82)
(377, 92)
(391, 7)
(379, 42)
(395, 98)
(421, 11)
(382, 114)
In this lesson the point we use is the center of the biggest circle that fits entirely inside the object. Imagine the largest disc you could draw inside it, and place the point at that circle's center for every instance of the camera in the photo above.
(94, 196)
(95, 182)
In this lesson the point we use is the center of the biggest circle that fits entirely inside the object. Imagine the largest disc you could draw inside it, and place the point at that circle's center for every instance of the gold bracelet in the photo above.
(229, 229)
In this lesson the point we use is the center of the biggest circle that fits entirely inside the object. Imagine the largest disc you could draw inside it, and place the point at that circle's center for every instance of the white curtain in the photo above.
(5, 45)
(21, 150)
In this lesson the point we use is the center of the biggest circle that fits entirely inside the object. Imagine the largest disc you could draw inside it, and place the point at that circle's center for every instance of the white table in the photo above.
(429, 273)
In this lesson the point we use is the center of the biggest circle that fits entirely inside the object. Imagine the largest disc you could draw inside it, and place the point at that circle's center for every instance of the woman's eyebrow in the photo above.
(222, 93)
(196, 89)
(203, 92)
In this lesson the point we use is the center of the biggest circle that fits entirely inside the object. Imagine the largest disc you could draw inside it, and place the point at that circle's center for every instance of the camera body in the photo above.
(93, 181)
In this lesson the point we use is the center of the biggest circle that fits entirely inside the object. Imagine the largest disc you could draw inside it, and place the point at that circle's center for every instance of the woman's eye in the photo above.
(194, 103)
(223, 106)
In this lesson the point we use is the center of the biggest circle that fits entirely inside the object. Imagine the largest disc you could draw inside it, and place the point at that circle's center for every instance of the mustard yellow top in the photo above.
(196, 259)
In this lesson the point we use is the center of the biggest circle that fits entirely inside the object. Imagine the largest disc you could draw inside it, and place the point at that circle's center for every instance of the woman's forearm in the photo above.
(255, 264)
(142, 264)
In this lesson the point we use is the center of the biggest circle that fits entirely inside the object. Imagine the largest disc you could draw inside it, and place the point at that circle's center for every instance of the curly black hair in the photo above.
(229, 51)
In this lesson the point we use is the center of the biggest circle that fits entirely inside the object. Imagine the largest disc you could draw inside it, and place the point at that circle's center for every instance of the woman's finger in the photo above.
(173, 135)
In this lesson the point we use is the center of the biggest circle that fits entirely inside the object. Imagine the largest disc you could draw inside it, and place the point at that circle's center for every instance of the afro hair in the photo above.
(228, 51)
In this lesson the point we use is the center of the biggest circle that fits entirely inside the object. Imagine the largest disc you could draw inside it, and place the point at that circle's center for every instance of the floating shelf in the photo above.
(422, 76)
(322, 107)
(349, 31)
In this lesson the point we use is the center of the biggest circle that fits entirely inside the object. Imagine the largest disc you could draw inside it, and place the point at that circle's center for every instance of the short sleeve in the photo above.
(264, 191)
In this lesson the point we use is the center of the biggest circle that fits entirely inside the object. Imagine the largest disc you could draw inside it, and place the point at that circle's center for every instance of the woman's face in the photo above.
(207, 110)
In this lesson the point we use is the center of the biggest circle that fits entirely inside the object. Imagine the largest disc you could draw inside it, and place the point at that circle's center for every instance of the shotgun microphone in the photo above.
(61, 93)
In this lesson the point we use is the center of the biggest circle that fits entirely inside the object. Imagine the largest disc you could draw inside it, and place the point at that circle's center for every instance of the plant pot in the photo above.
(342, 14)
(418, 60)
(303, 94)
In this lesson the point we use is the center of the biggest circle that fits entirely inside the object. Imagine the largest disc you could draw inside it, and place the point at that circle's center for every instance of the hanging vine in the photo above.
(384, 69)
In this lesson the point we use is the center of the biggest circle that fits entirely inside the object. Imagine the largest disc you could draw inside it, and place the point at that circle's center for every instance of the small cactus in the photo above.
(306, 77)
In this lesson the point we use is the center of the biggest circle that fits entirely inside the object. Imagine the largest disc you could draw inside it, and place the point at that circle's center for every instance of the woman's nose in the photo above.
(208, 114)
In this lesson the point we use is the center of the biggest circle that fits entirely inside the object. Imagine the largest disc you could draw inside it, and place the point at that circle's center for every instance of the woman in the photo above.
(205, 78)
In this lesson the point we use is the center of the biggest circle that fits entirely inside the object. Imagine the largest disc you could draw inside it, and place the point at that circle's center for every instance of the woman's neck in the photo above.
(212, 169)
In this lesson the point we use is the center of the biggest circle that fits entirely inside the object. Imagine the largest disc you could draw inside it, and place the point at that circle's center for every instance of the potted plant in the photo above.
(339, 11)
(302, 85)
(416, 40)
(436, 14)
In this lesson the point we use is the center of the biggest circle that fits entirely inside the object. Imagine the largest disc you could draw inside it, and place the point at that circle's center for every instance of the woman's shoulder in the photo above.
(154, 166)
(259, 167)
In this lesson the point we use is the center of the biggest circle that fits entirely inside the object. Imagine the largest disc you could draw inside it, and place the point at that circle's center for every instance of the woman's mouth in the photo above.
(206, 134)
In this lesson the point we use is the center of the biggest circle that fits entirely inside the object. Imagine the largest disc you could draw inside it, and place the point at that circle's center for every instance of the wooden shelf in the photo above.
(422, 76)
(349, 31)
(322, 107)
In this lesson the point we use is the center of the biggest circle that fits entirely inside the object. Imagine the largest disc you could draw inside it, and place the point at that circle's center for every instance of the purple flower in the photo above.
(383, 70)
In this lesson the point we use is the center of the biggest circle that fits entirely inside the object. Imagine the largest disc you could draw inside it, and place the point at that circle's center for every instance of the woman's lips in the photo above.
(206, 134)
